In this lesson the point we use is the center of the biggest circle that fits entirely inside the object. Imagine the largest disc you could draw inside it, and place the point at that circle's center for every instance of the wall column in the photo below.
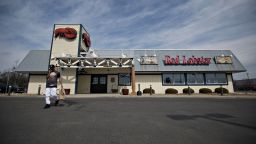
(133, 81)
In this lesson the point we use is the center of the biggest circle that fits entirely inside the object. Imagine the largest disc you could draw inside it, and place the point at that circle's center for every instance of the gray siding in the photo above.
(36, 61)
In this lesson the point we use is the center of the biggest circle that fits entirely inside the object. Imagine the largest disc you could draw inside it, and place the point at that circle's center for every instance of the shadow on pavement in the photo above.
(212, 116)
(69, 102)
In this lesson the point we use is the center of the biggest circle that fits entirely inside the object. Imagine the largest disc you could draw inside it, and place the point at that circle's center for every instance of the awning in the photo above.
(83, 62)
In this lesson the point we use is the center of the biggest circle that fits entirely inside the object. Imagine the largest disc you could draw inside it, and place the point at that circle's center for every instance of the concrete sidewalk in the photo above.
(164, 96)
(233, 95)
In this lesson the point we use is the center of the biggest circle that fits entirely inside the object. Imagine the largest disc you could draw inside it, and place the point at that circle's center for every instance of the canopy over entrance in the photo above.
(83, 62)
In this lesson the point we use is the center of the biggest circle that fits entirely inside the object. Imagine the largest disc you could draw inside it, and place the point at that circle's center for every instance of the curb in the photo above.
(144, 96)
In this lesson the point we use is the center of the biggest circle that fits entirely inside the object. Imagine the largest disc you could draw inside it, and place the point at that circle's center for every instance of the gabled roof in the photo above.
(236, 66)
(160, 54)
(35, 62)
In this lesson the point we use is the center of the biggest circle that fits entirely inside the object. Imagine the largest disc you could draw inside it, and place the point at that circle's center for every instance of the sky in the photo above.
(132, 24)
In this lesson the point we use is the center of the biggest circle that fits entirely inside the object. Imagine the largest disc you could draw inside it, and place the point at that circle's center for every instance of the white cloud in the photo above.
(196, 24)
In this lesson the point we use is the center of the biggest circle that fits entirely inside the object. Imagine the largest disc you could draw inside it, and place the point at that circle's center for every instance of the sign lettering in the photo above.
(186, 60)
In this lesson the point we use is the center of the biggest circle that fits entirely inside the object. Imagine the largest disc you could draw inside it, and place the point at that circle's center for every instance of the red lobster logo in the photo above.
(86, 39)
(69, 33)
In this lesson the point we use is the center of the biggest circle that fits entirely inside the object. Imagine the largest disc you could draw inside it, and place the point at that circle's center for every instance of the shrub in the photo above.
(185, 90)
(171, 91)
(218, 90)
(205, 90)
(114, 90)
(147, 90)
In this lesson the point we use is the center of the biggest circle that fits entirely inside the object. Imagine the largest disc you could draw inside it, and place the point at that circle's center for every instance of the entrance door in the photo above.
(99, 84)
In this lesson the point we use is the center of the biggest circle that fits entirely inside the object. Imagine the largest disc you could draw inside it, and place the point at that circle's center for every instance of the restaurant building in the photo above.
(85, 71)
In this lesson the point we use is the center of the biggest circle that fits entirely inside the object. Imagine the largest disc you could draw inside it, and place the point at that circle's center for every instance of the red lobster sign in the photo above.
(186, 61)
(86, 39)
(69, 33)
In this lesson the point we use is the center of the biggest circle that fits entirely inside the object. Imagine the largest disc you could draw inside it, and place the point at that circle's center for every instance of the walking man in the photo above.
(51, 86)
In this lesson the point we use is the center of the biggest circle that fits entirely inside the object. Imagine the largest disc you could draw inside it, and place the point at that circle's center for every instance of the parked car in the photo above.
(20, 90)
(2, 88)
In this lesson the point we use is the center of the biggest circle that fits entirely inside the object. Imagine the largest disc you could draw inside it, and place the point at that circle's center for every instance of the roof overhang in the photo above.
(83, 62)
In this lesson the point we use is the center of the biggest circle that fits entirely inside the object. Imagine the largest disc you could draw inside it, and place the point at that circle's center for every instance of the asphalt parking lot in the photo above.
(128, 121)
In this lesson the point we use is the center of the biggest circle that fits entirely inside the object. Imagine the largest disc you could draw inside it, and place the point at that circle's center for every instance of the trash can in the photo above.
(67, 91)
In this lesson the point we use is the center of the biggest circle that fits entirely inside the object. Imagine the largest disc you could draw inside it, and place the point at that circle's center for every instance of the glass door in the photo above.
(99, 84)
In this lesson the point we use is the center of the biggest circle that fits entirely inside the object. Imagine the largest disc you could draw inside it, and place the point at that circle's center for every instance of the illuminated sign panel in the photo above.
(223, 60)
(148, 60)
(186, 60)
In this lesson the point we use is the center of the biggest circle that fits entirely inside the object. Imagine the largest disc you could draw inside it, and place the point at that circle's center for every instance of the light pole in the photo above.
(150, 87)
(7, 81)
(249, 83)
(221, 90)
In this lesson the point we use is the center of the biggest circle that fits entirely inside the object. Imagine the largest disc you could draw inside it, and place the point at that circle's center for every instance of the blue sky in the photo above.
(130, 24)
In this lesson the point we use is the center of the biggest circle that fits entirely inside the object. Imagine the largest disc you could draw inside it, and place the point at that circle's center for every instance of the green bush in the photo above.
(205, 90)
(185, 90)
(147, 90)
(114, 90)
(218, 90)
(171, 91)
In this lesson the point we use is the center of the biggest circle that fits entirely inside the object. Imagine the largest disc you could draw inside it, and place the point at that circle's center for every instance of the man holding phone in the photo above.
(51, 86)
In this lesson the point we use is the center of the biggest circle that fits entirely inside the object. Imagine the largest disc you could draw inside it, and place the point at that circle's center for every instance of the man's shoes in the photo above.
(56, 102)
(47, 106)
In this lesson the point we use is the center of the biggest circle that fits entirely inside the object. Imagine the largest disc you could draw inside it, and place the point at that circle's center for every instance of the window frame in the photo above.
(124, 84)
(226, 83)
(173, 84)
(202, 84)
(195, 83)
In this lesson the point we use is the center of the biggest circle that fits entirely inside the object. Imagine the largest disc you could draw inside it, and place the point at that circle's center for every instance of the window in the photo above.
(216, 78)
(193, 78)
(102, 80)
(124, 79)
(95, 80)
(174, 79)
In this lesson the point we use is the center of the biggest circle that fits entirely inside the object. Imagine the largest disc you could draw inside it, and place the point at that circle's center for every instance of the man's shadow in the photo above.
(71, 103)
(212, 116)
(67, 102)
